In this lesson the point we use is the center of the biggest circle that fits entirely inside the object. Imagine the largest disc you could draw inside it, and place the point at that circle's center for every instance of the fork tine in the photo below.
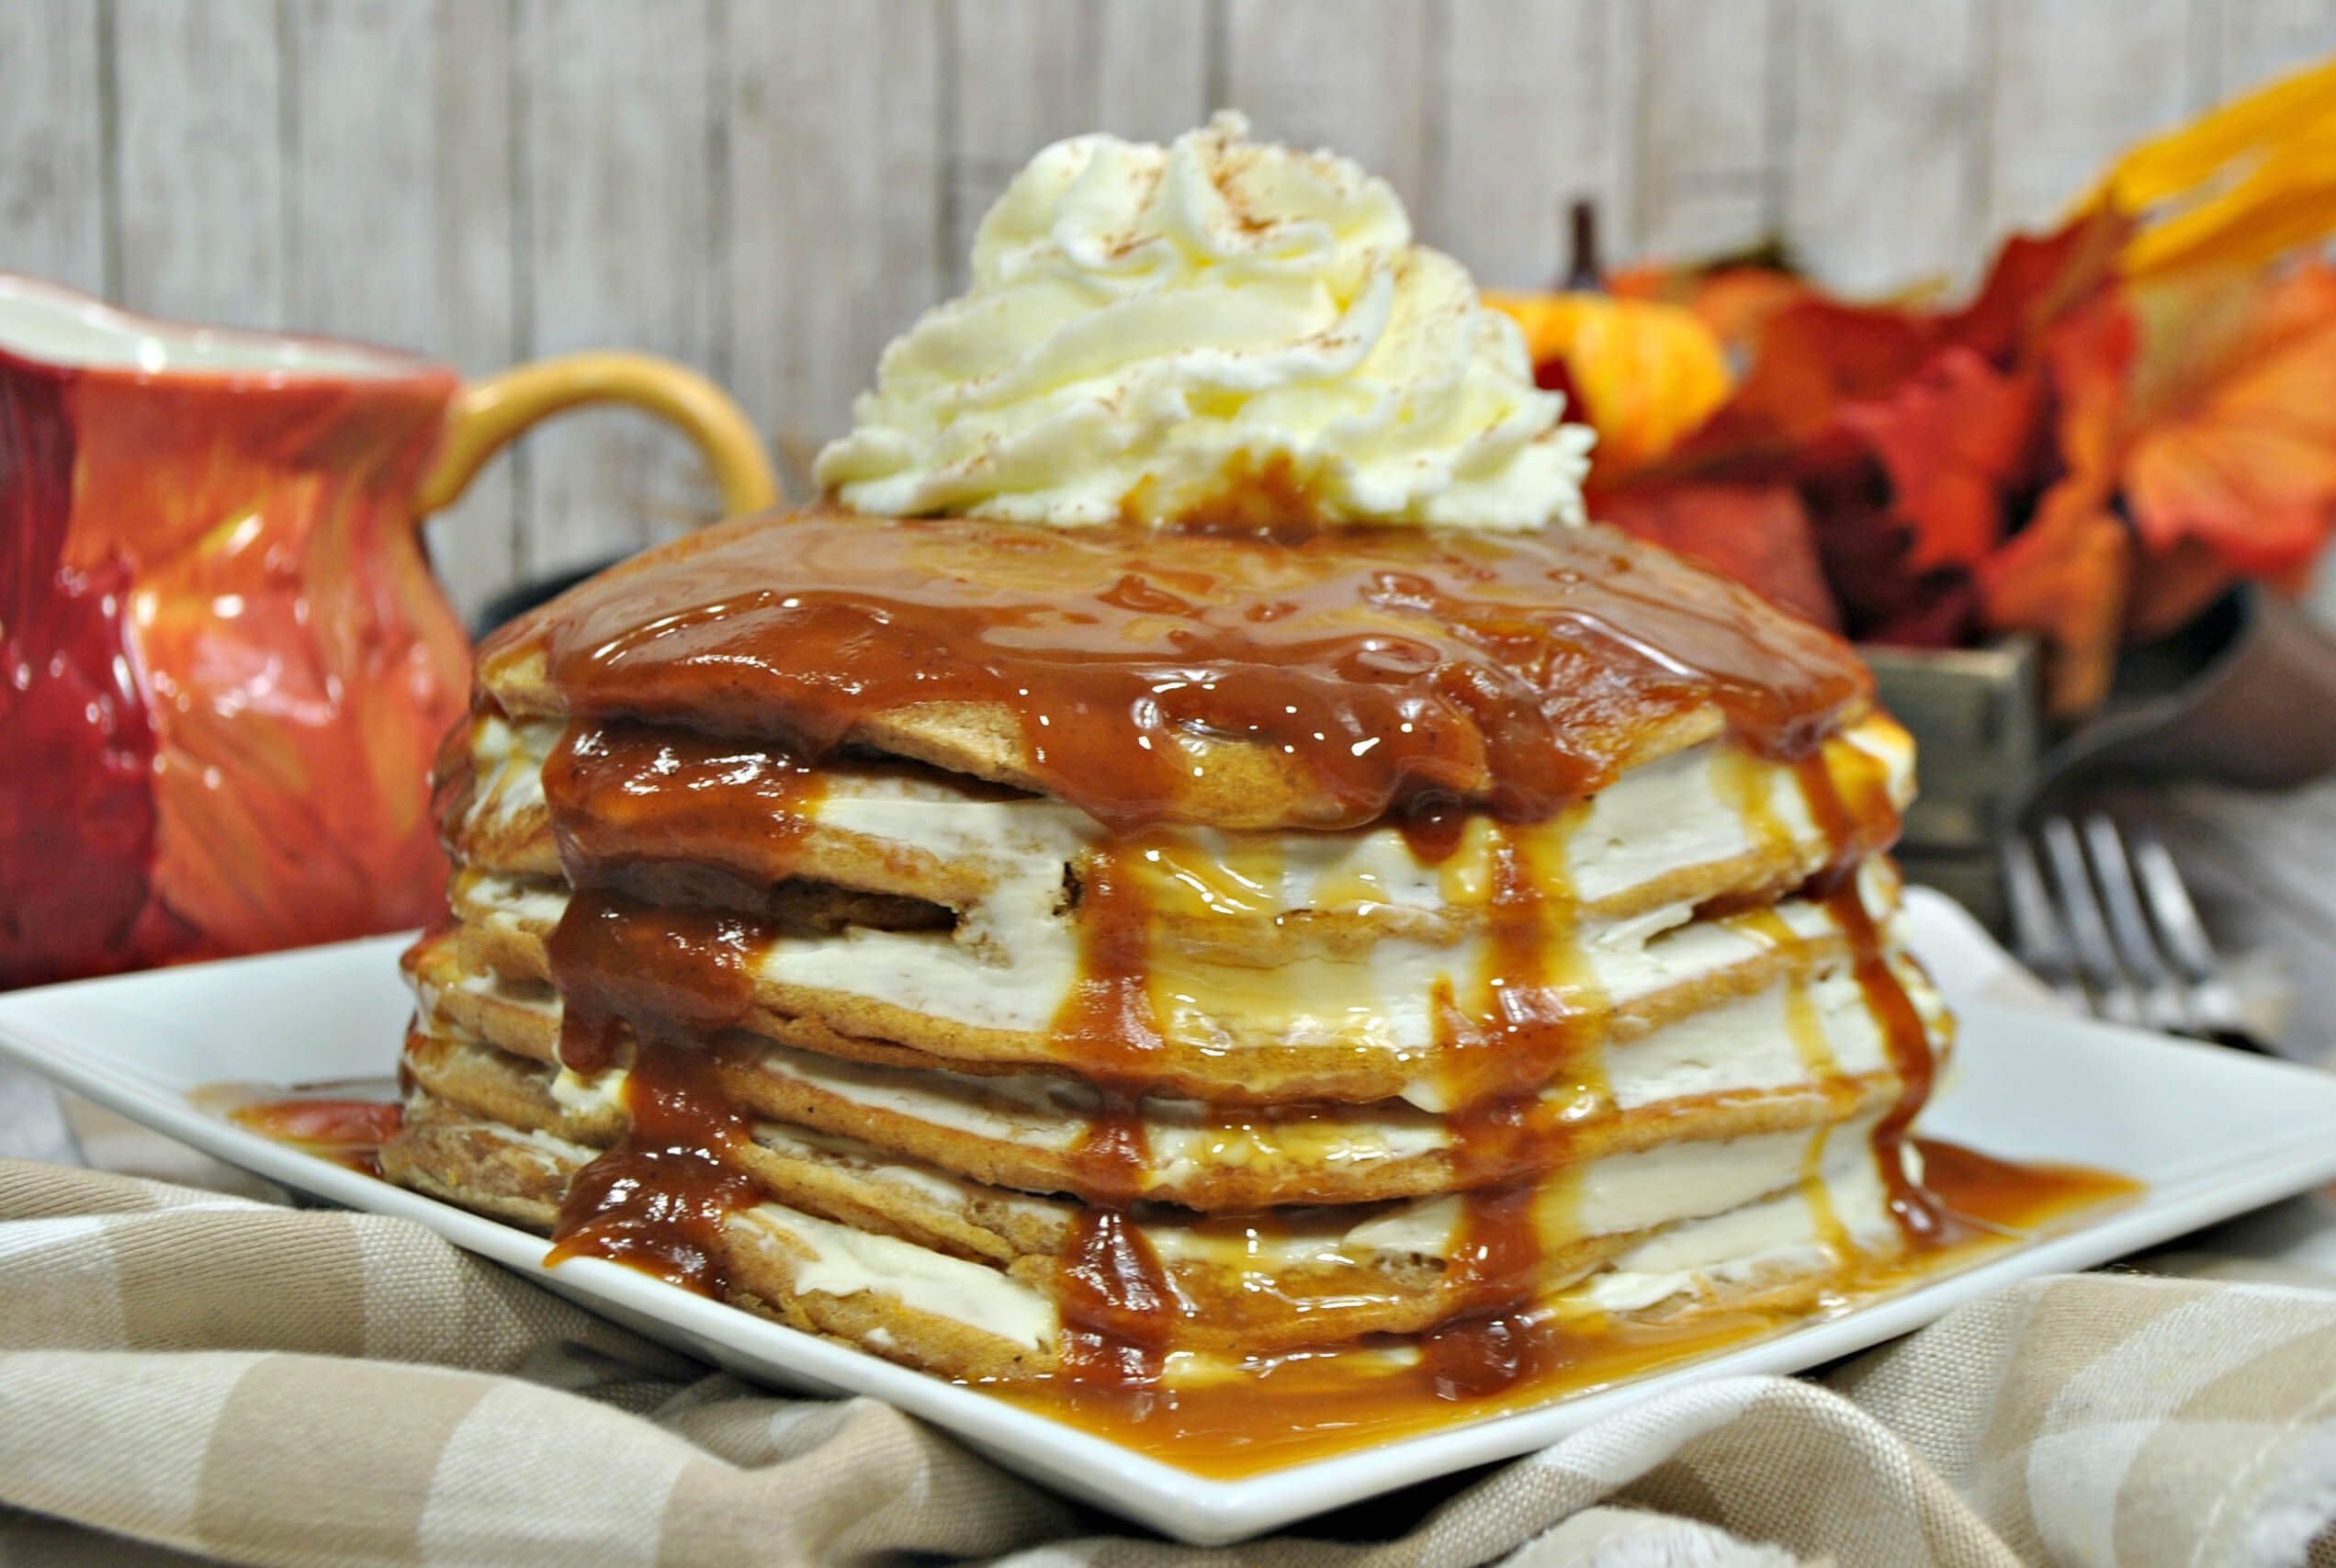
(2213, 1001)
(2037, 932)
(2096, 959)
(2164, 1005)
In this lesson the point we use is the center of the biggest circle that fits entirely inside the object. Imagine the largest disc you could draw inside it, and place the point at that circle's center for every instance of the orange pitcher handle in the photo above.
(487, 414)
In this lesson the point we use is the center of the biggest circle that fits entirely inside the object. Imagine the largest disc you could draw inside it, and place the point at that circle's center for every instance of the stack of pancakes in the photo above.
(1132, 953)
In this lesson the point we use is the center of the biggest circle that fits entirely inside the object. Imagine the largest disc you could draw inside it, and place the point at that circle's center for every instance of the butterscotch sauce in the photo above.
(1538, 1019)
(1119, 1310)
(659, 1200)
(1744, 783)
(347, 1132)
(1381, 671)
(648, 987)
(674, 817)
(1802, 1024)
(1857, 821)
(1819, 1197)
(1849, 823)
(1910, 1055)
(1299, 1408)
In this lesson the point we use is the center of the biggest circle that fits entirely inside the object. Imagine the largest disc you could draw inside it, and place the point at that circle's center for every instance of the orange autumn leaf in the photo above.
(2240, 454)
(2063, 577)
(2251, 181)
(2066, 576)
(2091, 354)
(1811, 356)
(1955, 439)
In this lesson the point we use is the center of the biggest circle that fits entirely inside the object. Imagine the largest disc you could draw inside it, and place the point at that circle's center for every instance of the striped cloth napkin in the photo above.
(264, 1384)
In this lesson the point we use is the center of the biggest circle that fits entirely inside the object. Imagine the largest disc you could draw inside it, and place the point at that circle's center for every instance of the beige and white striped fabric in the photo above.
(261, 1384)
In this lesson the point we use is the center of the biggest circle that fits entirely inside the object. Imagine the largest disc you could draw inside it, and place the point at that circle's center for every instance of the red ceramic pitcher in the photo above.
(224, 665)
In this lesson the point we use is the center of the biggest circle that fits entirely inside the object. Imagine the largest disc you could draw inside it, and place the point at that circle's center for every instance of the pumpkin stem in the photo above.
(1582, 273)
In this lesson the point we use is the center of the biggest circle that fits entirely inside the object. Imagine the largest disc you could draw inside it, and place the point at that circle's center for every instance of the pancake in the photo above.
(1356, 1028)
(1030, 1131)
(1588, 654)
(1714, 820)
(885, 991)
(985, 1259)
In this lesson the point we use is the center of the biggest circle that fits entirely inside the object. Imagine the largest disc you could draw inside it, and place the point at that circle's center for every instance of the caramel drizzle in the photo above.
(653, 959)
(1909, 1045)
(677, 819)
(1820, 1199)
(1847, 793)
(1119, 1308)
(1541, 1013)
(1380, 669)
(1848, 833)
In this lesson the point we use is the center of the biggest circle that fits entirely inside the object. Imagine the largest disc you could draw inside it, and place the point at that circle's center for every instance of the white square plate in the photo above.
(2213, 1133)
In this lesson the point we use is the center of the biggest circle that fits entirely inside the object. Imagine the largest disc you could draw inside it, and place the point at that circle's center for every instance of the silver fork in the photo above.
(2113, 929)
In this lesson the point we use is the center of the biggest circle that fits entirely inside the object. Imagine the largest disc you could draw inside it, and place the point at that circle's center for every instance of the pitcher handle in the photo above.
(488, 415)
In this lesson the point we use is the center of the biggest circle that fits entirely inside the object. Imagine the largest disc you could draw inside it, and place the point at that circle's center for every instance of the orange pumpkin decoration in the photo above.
(1642, 373)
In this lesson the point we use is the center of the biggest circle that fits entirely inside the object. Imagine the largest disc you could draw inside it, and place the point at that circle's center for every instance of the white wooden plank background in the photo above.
(769, 190)
(201, 126)
(53, 177)
(621, 154)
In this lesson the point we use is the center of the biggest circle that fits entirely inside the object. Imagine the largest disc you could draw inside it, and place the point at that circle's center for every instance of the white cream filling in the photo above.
(1386, 1002)
(846, 1262)
(1780, 1236)
(508, 760)
(1642, 1190)
(1680, 811)
(582, 1094)
(1727, 1212)
(1740, 1046)
(1729, 1244)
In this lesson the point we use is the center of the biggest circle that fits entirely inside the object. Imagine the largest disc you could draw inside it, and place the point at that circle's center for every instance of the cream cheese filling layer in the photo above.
(1753, 1045)
(838, 1260)
(1384, 1002)
(1704, 806)
(1617, 1195)
(1703, 1242)
(1793, 1233)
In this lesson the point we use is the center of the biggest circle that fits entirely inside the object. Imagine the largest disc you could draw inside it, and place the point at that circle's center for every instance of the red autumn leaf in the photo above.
(1808, 355)
(1955, 439)
(2037, 279)
(1811, 357)
(2063, 577)
(1757, 533)
(1863, 551)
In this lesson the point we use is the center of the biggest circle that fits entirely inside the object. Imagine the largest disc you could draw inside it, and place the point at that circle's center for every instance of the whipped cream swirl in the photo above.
(1176, 333)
